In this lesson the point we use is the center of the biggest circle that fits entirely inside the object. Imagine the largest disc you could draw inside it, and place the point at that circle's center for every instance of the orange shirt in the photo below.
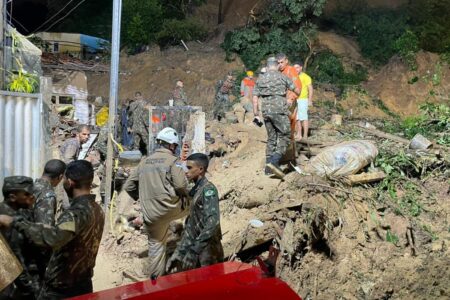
(290, 72)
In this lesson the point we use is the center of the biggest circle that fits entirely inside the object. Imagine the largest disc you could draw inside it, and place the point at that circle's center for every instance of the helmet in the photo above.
(168, 135)
(250, 73)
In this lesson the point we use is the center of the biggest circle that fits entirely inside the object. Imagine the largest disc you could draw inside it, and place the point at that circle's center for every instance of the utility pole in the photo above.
(113, 95)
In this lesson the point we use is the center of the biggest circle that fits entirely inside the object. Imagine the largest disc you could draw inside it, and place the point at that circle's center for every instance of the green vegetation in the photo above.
(327, 68)
(173, 31)
(381, 33)
(433, 120)
(284, 26)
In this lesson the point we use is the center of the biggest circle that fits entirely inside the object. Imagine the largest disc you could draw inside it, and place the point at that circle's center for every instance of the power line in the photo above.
(81, 2)
(18, 23)
(42, 25)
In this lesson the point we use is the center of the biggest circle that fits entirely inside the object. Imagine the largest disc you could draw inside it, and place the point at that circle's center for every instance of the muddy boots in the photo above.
(274, 165)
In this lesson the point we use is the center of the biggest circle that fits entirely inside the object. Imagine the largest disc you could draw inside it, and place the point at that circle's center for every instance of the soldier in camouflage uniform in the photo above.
(46, 205)
(178, 95)
(222, 100)
(74, 239)
(200, 244)
(71, 148)
(139, 123)
(18, 198)
(269, 95)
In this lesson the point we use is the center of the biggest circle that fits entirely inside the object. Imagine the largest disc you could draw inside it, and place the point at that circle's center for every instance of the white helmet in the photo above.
(168, 135)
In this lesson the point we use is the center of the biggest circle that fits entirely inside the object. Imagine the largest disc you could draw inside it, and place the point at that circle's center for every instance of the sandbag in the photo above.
(342, 159)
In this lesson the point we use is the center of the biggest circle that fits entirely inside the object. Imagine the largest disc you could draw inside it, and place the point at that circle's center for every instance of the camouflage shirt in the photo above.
(271, 88)
(101, 145)
(44, 210)
(70, 150)
(25, 285)
(139, 120)
(203, 224)
(227, 87)
(75, 240)
(179, 97)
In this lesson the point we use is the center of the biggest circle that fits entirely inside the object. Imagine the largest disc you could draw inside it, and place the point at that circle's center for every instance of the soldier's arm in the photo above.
(53, 237)
(131, 186)
(69, 154)
(44, 210)
(180, 183)
(211, 219)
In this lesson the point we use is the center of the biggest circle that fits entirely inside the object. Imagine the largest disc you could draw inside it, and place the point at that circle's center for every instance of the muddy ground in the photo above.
(354, 258)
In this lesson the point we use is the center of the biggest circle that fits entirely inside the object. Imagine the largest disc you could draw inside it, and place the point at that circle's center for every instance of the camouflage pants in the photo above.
(141, 141)
(278, 133)
(212, 254)
(221, 105)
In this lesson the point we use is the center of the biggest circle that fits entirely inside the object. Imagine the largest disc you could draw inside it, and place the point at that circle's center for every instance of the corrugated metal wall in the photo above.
(22, 140)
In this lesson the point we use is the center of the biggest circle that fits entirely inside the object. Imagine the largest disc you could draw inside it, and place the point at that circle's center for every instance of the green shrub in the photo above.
(327, 68)
(407, 46)
(141, 21)
(376, 31)
(173, 31)
(283, 27)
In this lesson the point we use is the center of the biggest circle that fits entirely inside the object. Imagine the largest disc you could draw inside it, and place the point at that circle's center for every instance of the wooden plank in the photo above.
(366, 177)
(385, 135)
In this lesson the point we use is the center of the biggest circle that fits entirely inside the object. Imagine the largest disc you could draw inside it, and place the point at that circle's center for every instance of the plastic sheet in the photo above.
(102, 116)
(342, 159)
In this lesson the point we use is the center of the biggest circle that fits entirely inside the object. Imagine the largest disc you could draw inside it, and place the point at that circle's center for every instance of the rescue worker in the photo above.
(139, 123)
(74, 239)
(160, 184)
(200, 243)
(178, 95)
(18, 199)
(222, 102)
(270, 90)
(46, 205)
(291, 73)
(71, 148)
(247, 85)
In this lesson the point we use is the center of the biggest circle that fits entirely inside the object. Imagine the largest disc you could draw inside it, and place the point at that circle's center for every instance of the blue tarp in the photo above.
(93, 43)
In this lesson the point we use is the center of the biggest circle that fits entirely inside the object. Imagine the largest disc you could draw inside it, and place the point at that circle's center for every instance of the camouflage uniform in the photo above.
(179, 97)
(70, 150)
(25, 286)
(271, 88)
(74, 240)
(202, 233)
(139, 123)
(44, 211)
(163, 192)
(222, 101)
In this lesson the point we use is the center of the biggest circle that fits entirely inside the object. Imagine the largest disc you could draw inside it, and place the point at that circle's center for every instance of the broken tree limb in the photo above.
(365, 177)
(385, 135)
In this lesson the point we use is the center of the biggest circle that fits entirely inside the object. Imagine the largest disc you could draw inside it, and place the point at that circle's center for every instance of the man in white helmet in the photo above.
(163, 192)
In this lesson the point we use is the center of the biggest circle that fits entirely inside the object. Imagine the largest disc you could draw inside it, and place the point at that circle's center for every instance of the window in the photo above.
(55, 47)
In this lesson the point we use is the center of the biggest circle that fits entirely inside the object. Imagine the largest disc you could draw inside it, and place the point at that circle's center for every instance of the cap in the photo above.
(17, 183)
(249, 73)
(272, 59)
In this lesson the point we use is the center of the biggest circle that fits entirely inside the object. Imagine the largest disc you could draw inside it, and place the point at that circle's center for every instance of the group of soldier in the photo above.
(57, 251)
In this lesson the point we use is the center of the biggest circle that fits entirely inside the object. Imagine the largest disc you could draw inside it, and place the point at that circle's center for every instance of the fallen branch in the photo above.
(334, 188)
(385, 135)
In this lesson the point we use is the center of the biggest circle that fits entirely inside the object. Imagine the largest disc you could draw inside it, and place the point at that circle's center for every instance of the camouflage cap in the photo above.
(17, 183)
(272, 59)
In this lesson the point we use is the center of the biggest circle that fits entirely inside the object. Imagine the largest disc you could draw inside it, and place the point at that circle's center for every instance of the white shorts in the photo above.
(302, 109)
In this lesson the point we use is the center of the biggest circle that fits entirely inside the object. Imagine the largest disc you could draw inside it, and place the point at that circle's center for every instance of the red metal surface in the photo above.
(230, 280)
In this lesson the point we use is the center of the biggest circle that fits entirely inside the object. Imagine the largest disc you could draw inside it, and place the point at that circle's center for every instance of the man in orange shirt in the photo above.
(291, 73)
